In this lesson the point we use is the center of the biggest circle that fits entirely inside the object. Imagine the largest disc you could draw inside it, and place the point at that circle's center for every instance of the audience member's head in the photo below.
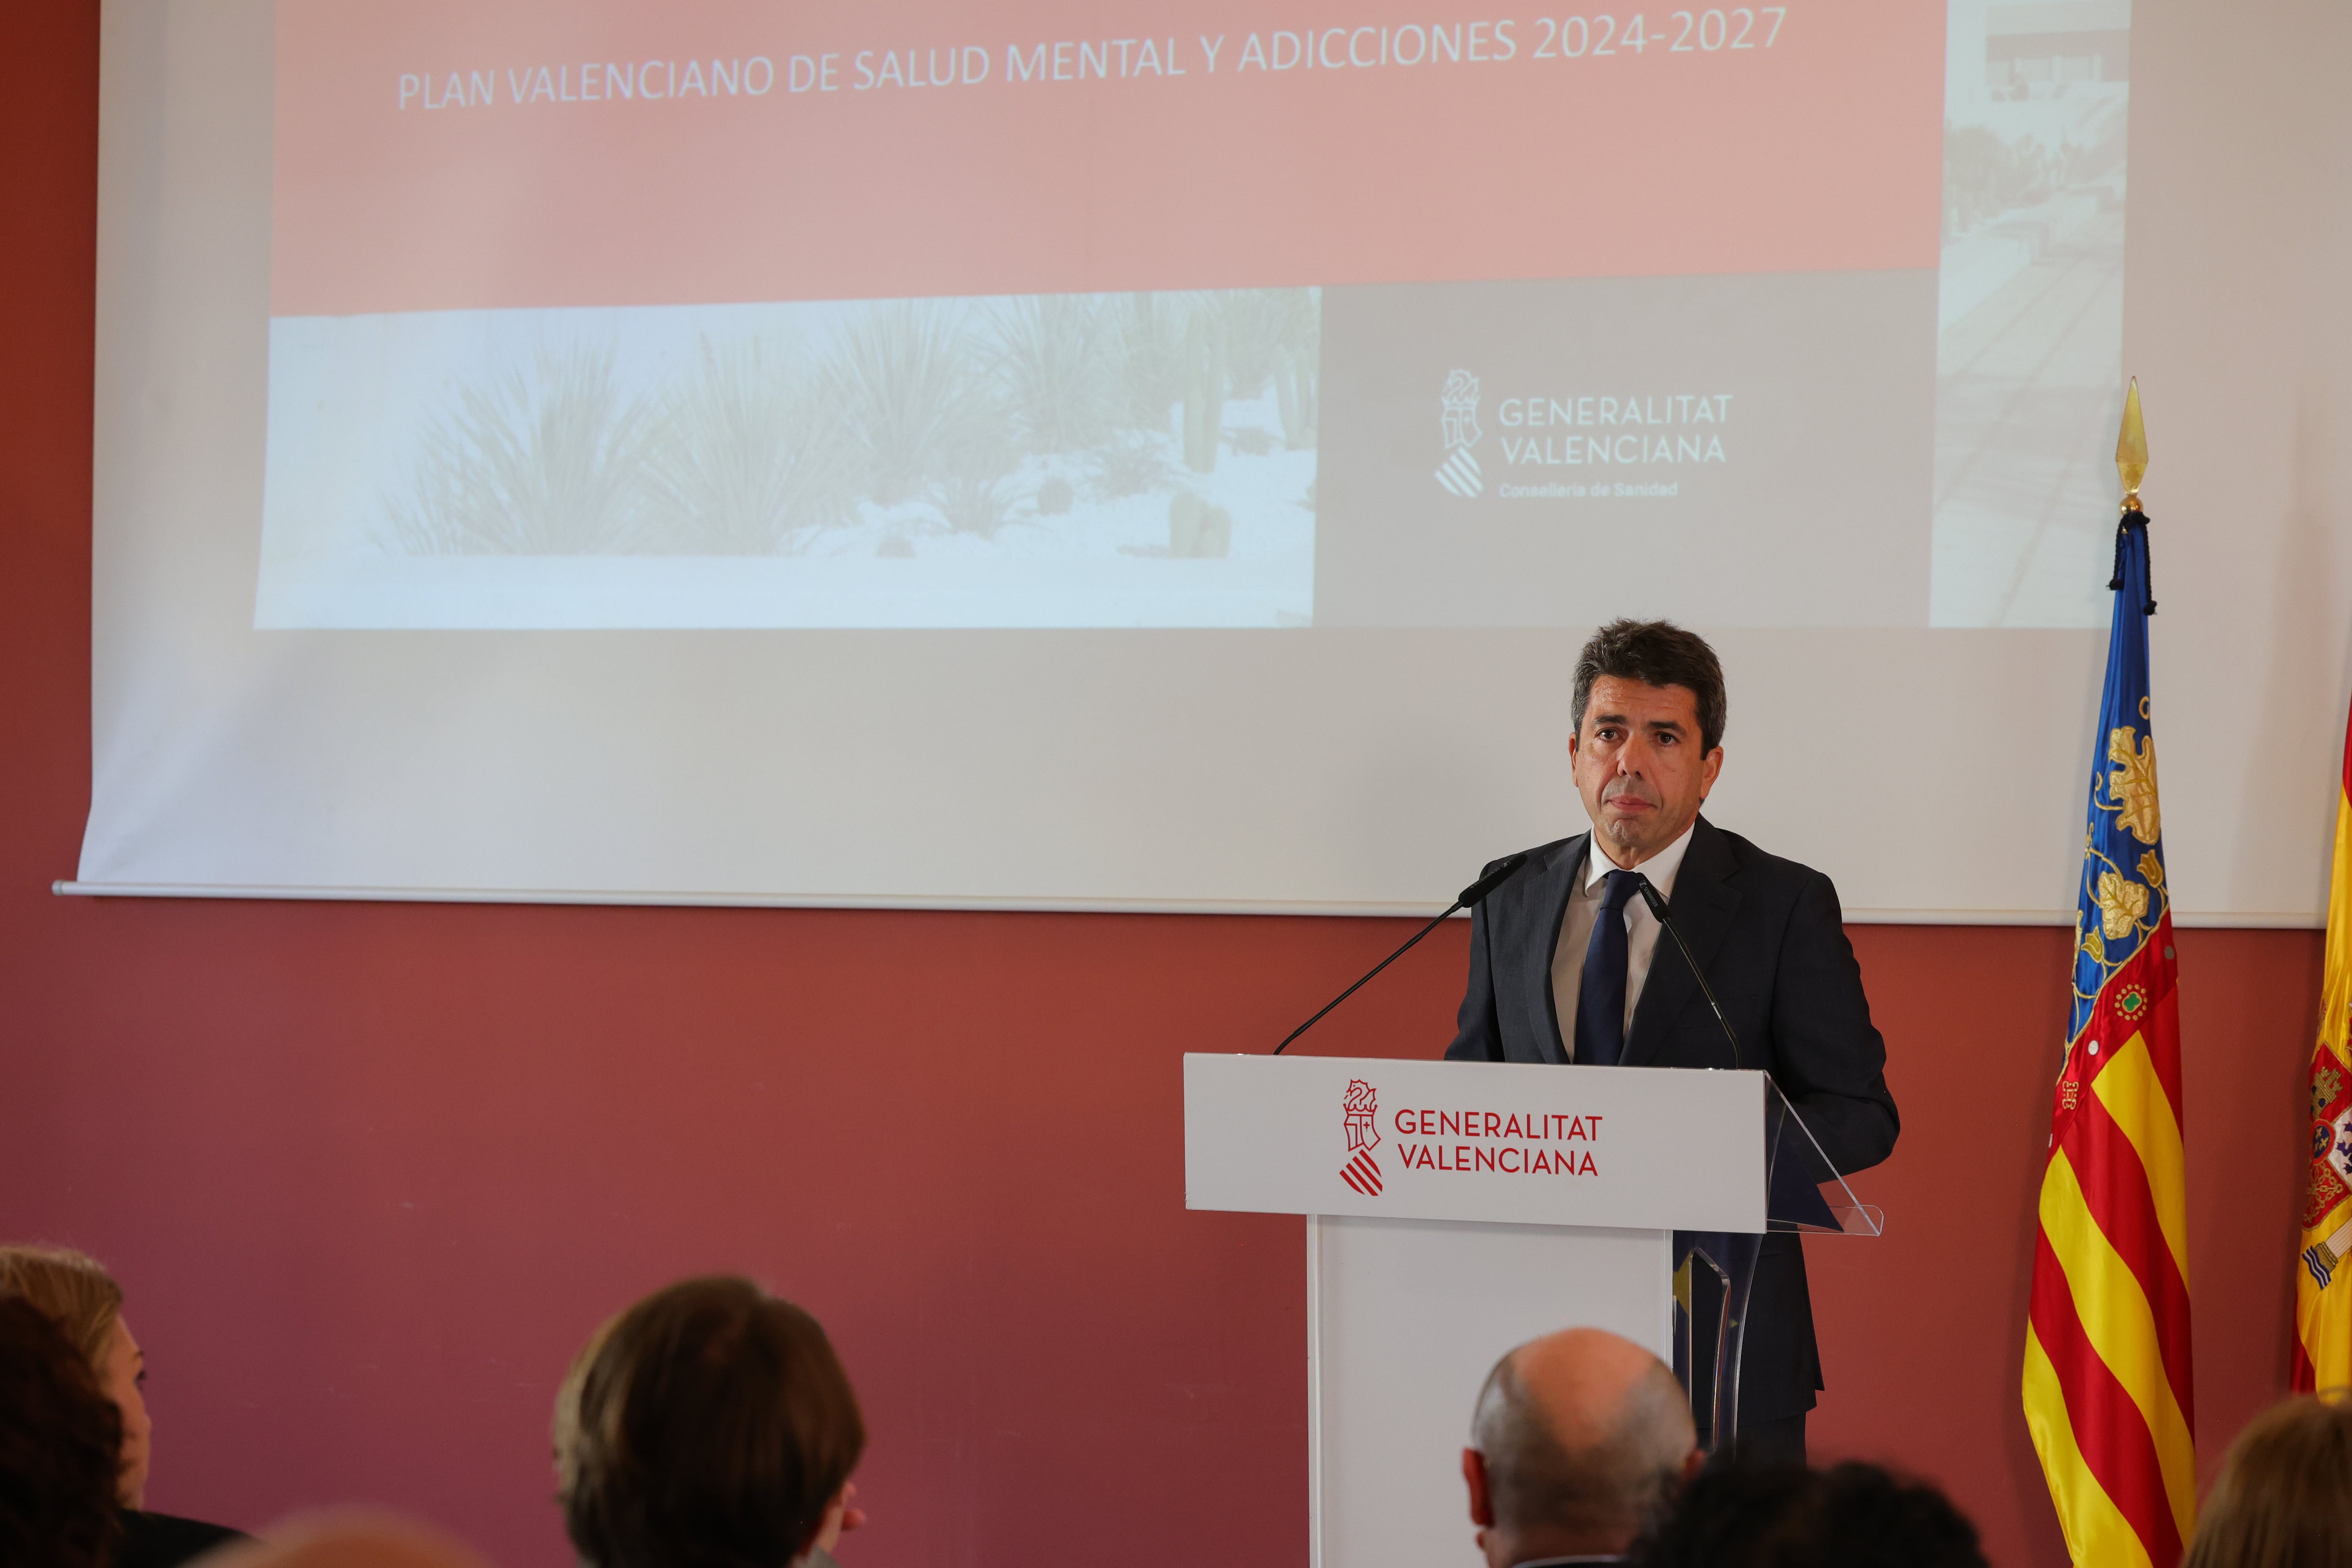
(347, 1538)
(1849, 1516)
(710, 1426)
(58, 1440)
(85, 1302)
(1579, 1438)
(2283, 1498)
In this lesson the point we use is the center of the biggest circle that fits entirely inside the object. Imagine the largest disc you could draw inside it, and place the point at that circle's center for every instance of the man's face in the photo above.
(1639, 766)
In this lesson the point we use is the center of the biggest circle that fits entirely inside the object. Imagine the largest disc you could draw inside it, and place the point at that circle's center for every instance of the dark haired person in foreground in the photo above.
(1580, 1439)
(60, 1439)
(1566, 964)
(2283, 1498)
(709, 1423)
(1783, 1516)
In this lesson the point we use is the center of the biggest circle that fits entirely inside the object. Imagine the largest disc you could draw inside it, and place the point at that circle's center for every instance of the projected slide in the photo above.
(2030, 314)
(618, 315)
(1143, 460)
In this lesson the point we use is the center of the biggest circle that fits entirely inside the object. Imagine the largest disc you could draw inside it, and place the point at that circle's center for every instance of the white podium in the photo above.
(1454, 1210)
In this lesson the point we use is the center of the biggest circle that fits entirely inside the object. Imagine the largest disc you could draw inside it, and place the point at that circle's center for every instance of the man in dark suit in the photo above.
(1561, 962)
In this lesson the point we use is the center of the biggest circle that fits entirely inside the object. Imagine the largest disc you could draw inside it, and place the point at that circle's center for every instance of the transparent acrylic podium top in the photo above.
(1804, 1191)
(1714, 1271)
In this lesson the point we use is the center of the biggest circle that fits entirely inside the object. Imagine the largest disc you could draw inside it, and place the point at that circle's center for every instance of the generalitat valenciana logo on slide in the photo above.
(1457, 409)
(1359, 1111)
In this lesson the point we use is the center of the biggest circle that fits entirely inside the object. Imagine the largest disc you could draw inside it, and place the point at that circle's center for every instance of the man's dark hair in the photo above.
(707, 1427)
(1656, 653)
(60, 1446)
(1849, 1516)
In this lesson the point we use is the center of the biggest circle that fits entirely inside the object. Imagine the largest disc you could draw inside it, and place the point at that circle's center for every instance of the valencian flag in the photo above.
(2107, 1349)
(2323, 1296)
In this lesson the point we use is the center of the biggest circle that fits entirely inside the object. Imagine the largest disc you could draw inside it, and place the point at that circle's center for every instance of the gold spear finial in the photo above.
(2131, 449)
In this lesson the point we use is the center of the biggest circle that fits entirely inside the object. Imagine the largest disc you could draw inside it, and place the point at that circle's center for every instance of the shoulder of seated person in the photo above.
(165, 1540)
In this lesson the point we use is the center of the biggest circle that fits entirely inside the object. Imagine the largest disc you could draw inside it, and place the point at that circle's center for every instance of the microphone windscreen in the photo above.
(1492, 879)
(1651, 896)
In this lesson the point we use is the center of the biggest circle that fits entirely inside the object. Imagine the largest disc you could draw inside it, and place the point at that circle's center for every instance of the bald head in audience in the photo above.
(347, 1538)
(1579, 1438)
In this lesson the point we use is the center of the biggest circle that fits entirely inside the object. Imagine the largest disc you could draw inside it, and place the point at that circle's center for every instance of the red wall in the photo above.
(370, 1172)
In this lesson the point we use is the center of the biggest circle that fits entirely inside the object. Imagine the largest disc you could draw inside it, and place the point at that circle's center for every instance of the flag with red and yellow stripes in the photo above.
(2108, 1389)
(2323, 1314)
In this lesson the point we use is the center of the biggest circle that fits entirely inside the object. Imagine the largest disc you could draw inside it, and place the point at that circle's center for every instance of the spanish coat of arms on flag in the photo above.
(2323, 1296)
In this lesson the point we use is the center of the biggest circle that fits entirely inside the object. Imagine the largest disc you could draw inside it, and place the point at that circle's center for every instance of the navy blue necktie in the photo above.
(1600, 998)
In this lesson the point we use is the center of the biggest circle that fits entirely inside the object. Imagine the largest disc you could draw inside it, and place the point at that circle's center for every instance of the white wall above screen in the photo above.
(1250, 573)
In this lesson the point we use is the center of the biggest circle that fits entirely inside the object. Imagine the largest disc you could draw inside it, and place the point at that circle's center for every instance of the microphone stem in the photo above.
(1704, 990)
(1359, 985)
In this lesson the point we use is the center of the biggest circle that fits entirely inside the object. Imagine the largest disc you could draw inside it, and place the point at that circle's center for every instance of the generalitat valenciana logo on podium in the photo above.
(1457, 411)
(1359, 1111)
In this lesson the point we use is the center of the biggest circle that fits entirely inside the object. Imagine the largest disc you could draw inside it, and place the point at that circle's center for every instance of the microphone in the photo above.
(1502, 873)
(1657, 903)
(1790, 1193)
(1503, 870)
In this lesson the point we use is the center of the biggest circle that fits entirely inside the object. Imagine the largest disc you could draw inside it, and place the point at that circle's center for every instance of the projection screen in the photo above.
(1036, 455)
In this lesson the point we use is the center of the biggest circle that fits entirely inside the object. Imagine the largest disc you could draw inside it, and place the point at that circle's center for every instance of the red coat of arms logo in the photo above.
(1360, 1115)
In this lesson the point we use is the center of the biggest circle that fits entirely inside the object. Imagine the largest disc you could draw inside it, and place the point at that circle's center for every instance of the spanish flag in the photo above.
(2107, 1392)
(2323, 1313)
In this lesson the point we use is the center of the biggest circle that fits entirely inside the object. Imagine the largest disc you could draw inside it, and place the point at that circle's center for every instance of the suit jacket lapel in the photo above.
(1704, 901)
(1541, 897)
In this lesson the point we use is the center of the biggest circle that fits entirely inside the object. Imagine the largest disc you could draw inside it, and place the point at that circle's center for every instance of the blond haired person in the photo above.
(73, 1291)
(2283, 1498)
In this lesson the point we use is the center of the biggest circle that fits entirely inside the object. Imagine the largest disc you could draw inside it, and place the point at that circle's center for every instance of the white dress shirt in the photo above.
(1641, 932)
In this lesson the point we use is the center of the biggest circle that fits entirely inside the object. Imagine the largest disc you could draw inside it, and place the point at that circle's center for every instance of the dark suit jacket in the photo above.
(1769, 934)
(166, 1541)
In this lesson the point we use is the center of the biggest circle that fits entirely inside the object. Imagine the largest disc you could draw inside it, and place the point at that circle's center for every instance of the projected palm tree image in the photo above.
(748, 461)
(1058, 359)
(911, 390)
(549, 462)
(1040, 430)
